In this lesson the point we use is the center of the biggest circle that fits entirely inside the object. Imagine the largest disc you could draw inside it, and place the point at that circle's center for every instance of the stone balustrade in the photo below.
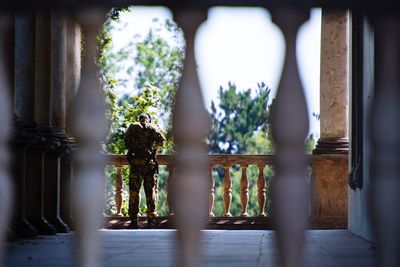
(329, 202)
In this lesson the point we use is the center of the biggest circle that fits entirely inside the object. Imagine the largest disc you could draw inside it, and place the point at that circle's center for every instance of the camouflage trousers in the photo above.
(146, 174)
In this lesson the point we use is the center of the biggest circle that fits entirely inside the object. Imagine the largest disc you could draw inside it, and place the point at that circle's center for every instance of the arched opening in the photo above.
(239, 52)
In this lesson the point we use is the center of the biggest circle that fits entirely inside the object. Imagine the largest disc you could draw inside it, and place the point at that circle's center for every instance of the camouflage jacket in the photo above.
(143, 139)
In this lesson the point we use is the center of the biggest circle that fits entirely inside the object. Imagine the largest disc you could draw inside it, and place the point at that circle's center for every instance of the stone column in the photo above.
(72, 72)
(330, 171)
(35, 157)
(58, 70)
(24, 125)
(334, 82)
(58, 59)
(24, 73)
(43, 72)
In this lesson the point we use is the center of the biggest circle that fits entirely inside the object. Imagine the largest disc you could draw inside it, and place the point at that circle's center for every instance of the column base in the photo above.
(329, 189)
(59, 225)
(23, 229)
(68, 222)
(43, 226)
(10, 235)
(333, 146)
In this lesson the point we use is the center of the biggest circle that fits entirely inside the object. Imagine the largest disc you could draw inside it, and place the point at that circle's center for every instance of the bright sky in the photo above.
(241, 45)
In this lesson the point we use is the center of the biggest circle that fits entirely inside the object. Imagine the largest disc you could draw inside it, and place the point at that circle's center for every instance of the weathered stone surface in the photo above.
(73, 69)
(334, 74)
(58, 69)
(220, 248)
(42, 70)
(329, 186)
(24, 73)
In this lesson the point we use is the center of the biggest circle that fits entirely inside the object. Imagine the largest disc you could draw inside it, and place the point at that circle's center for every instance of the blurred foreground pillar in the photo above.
(385, 138)
(5, 121)
(289, 124)
(89, 127)
(190, 187)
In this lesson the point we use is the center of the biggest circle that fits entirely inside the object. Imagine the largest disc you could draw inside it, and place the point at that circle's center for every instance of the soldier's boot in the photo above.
(133, 224)
(151, 220)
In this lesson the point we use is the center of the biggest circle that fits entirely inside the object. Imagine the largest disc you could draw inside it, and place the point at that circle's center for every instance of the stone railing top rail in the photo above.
(225, 159)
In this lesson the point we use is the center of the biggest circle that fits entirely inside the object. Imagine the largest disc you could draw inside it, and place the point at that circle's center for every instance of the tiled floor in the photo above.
(324, 248)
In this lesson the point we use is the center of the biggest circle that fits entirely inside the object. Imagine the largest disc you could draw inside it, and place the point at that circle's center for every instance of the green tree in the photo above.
(150, 60)
(160, 63)
(241, 115)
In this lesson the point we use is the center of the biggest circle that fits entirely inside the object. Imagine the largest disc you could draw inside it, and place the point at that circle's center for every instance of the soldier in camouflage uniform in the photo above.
(142, 139)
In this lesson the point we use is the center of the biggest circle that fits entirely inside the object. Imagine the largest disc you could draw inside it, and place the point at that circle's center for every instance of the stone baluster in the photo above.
(244, 191)
(211, 199)
(289, 124)
(118, 190)
(155, 194)
(261, 192)
(5, 129)
(227, 191)
(169, 184)
(190, 128)
(385, 140)
(89, 127)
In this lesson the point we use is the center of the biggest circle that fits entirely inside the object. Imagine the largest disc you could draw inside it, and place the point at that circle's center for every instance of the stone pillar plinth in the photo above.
(19, 143)
(330, 169)
(329, 191)
(334, 83)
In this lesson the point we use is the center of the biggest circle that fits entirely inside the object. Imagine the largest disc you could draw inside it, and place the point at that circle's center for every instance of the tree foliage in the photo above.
(241, 121)
(148, 68)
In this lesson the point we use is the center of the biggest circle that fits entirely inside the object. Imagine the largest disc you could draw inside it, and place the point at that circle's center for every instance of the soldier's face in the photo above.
(145, 120)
